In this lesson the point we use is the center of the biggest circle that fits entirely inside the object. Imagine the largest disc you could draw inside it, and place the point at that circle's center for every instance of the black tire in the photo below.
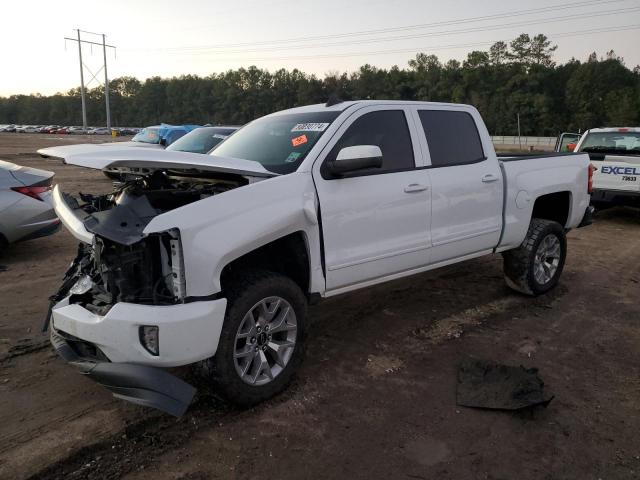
(242, 295)
(519, 263)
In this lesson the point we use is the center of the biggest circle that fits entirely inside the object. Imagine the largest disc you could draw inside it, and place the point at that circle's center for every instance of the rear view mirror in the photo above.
(359, 157)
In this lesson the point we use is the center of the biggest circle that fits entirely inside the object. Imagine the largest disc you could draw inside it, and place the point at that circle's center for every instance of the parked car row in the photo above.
(68, 130)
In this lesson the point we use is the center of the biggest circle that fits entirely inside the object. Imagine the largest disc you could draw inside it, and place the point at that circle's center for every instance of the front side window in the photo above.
(386, 129)
(452, 137)
(279, 142)
(567, 139)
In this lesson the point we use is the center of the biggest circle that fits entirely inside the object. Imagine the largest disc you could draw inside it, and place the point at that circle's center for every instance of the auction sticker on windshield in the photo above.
(302, 139)
(310, 127)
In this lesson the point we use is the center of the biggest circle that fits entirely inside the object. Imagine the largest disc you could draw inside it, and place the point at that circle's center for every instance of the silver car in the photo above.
(26, 210)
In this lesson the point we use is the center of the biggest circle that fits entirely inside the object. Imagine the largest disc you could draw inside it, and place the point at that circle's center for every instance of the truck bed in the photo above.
(558, 173)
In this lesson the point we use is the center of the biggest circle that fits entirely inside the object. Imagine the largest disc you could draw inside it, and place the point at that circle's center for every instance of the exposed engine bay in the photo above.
(122, 215)
(123, 264)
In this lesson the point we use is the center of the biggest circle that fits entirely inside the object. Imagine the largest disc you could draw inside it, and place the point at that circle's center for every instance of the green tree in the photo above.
(512, 78)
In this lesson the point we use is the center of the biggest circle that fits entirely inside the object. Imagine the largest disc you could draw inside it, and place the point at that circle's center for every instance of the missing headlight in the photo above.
(177, 266)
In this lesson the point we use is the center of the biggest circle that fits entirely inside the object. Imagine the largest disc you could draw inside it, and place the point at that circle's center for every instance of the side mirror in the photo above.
(359, 157)
(571, 146)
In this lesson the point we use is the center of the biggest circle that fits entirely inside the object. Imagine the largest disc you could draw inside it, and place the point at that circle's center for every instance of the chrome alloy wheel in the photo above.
(547, 259)
(265, 341)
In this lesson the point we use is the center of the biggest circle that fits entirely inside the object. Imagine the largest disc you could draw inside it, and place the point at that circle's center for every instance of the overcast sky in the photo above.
(167, 38)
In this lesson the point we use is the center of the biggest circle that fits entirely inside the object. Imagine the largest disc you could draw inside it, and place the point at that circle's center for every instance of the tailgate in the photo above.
(617, 173)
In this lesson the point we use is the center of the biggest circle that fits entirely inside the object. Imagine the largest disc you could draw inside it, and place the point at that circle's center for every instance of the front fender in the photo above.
(219, 229)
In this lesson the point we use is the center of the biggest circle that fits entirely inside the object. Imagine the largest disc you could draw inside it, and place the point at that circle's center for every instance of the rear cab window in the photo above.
(452, 137)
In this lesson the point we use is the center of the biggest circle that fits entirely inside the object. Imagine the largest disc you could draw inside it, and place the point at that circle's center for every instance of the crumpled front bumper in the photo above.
(108, 348)
(139, 384)
(188, 332)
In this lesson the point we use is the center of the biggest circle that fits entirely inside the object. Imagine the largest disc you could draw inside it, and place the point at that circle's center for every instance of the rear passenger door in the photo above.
(375, 222)
(466, 196)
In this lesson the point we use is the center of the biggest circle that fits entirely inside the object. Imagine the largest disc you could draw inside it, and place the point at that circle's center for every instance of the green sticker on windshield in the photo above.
(293, 156)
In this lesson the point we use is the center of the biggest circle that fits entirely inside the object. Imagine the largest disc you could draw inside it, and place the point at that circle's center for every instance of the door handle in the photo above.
(489, 178)
(415, 187)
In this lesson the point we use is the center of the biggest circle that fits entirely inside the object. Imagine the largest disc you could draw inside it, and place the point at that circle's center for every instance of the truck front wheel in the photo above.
(261, 343)
(536, 265)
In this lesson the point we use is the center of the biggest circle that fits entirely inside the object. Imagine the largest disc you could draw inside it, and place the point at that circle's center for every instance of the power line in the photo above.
(432, 47)
(409, 37)
(553, 8)
(423, 35)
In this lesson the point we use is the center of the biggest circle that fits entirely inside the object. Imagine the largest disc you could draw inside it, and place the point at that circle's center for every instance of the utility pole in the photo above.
(83, 67)
(519, 139)
(84, 101)
(106, 81)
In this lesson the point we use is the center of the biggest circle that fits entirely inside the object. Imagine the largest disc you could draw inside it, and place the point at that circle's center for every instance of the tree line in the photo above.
(508, 79)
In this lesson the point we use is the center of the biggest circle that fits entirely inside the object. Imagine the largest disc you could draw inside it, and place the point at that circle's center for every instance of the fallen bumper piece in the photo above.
(499, 387)
(139, 384)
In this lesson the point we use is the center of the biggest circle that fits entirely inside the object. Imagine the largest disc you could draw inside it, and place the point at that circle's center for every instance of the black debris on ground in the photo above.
(493, 386)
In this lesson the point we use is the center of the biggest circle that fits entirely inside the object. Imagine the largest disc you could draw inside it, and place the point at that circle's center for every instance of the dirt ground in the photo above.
(375, 397)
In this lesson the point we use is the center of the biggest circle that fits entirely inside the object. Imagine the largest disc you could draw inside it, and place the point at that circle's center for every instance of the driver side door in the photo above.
(375, 222)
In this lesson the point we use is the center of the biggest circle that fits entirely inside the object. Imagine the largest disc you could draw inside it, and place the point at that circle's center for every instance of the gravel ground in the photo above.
(375, 397)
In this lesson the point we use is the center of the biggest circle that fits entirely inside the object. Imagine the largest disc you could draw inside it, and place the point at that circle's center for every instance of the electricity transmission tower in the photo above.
(83, 67)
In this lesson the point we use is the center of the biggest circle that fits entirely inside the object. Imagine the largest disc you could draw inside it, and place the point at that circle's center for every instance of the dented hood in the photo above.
(63, 151)
(146, 160)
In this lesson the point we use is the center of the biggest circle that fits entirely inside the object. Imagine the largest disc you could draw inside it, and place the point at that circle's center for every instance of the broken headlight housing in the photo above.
(150, 271)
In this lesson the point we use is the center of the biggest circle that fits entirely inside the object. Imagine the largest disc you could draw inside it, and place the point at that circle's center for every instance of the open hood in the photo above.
(142, 160)
(64, 151)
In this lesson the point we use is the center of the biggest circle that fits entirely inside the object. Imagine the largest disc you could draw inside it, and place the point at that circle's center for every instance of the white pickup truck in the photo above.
(211, 260)
(615, 152)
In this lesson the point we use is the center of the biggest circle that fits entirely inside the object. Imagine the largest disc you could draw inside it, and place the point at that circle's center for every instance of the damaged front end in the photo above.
(148, 272)
(118, 264)
(122, 264)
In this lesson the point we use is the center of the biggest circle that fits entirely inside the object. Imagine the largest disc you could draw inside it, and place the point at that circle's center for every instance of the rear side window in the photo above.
(388, 130)
(452, 137)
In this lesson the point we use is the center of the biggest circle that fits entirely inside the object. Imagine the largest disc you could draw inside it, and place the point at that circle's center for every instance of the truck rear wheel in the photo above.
(536, 265)
(261, 343)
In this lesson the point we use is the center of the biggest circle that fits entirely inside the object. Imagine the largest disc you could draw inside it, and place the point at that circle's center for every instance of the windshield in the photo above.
(201, 140)
(280, 143)
(147, 135)
(625, 143)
